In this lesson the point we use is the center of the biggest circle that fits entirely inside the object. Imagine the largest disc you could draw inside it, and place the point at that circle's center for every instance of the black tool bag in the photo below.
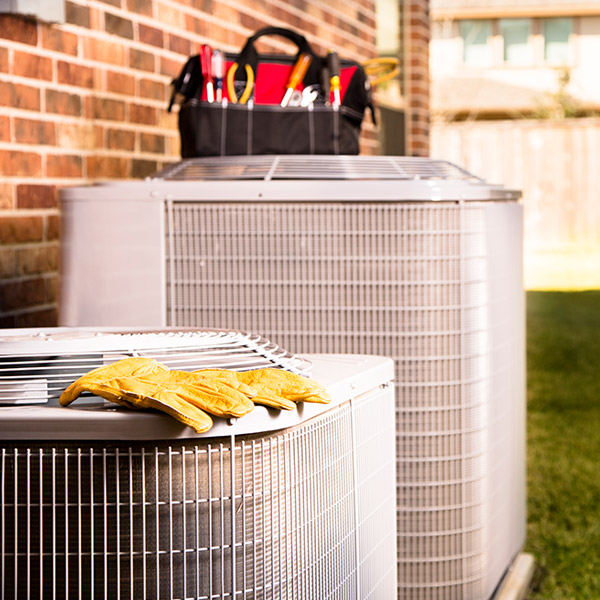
(249, 118)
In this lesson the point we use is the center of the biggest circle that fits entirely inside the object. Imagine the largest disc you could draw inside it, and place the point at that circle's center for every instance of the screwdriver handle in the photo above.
(218, 69)
(299, 70)
(206, 62)
(333, 64)
(296, 76)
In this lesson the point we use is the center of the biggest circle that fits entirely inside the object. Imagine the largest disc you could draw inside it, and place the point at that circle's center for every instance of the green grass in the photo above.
(563, 428)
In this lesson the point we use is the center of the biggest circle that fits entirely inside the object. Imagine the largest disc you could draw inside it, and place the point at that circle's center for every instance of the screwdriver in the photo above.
(218, 69)
(333, 64)
(206, 60)
(324, 81)
(296, 76)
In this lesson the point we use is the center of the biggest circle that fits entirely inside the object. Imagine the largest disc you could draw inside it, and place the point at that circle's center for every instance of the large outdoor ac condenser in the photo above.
(99, 501)
(409, 258)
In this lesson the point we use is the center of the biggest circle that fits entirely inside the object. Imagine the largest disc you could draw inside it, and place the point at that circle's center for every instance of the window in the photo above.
(557, 32)
(515, 34)
(476, 37)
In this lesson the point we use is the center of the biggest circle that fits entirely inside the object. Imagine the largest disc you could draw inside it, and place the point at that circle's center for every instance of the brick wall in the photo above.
(86, 100)
(414, 49)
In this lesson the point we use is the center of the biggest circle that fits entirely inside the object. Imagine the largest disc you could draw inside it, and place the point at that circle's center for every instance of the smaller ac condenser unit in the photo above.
(98, 501)
(410, 258)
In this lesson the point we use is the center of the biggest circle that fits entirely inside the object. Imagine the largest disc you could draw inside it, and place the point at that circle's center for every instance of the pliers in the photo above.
(245, 96)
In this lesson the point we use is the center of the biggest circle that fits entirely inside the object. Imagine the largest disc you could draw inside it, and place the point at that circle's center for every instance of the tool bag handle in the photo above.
(249, 55)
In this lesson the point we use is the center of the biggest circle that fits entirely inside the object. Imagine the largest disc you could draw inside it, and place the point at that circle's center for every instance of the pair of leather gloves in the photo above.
(191, 397)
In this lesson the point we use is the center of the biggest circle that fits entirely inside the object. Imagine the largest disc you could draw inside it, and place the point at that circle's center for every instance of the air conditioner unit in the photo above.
(415, 259)
(98, 501)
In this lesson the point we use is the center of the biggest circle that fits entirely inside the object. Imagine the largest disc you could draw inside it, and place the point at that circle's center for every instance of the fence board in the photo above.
(556, 165)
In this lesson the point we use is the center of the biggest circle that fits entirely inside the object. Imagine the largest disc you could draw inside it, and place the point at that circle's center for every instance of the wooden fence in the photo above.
(556, 165)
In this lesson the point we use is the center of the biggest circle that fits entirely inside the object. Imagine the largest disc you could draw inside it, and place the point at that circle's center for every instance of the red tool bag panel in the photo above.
(270, 104)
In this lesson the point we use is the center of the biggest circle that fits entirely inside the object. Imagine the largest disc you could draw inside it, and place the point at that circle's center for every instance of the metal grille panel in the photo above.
(36, 368)
(410, 281)
(269, 168)
(263, 516)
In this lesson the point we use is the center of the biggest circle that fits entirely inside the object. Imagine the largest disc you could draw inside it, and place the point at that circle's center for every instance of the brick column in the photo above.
(414, 57)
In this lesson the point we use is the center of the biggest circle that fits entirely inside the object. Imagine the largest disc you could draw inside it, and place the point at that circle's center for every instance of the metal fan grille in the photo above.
(36, 369)
(303, 513)
(409, 281)
(269, 168)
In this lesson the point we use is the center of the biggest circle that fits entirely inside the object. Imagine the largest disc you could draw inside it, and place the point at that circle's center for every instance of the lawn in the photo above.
(563, 428)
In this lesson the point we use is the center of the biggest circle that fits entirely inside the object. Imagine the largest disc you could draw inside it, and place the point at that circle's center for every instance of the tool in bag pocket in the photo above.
(251, 103)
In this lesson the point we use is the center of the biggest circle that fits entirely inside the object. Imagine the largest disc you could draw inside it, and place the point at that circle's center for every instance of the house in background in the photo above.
(507, 80)
(503, 58)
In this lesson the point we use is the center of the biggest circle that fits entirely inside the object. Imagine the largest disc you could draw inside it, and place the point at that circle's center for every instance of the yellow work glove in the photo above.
(213, 395)
(145, 383)
(276, 388)
(127, 367)
(165, 401)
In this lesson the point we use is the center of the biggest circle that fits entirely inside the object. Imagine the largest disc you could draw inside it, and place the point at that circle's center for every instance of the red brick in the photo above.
(30, 131)
(99, 136)
(73, 74)
(64, 165)
(31, 65)
(59, 40)
(143, 168)
(77, 14)
(4, 60)
(36, 196)
(143, 7)
(19, 96)
(120, 83)
(21, 230)
(7, 192)
(36, 260)
(52, 288)
(75, 135)
(143, 61)
(120, 139)
(46, 317)
(26, 164)
(150, 142)
(4, 129)
(170, 67)
(18, 29)
(195, 25)
(151, 35)
(107, 167)
(104, 51)
(53, 228)
(170, 15)
(118, 26)
(8, 263)
(139, 113)
(156, 90)
(63, 103)
(112, 2)
(108, 109)
(180, 45)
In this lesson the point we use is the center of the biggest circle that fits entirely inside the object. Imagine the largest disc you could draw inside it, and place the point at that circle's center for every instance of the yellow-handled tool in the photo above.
(296, 76)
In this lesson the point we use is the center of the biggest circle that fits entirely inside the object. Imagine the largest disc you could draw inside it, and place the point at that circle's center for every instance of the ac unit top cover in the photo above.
(317, 178)
(36, 365)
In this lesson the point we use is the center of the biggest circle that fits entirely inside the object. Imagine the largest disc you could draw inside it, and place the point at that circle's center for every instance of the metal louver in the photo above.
(37, 367)
(269, 168)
